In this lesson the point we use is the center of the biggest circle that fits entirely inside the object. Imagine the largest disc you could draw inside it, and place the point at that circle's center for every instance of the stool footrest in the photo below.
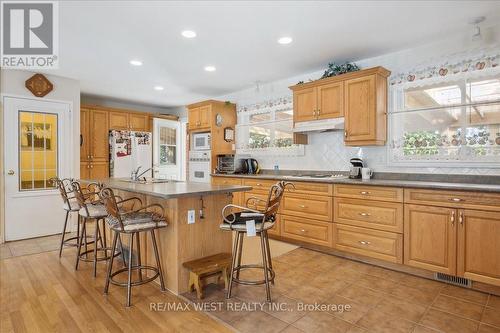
(84, 255)
(138, 282)
(237, 269)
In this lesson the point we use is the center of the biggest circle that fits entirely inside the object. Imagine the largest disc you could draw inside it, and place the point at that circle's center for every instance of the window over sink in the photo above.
(450, 119)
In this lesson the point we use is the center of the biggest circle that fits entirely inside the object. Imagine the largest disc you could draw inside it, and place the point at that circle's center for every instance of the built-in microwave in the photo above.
(201, 141)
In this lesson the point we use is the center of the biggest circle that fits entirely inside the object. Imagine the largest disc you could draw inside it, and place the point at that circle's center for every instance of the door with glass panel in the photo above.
(168, 149)
(36, 141)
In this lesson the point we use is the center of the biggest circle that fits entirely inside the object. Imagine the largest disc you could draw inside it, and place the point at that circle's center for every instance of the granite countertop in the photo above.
(442, 182)
(171, 189)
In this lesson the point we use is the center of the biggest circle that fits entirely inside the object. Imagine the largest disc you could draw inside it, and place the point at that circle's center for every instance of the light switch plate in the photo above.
(191, 216)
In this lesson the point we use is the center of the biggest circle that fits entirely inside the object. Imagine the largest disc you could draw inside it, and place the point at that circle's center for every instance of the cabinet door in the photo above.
(430, 238)
(331, 100)
(139, 122)
(84, 170)
(99, 170)
(118, 120)
(479, 246)
(84, 135)
(360, 109)
(99, 145)
(304, 104)
(194, 118)
(205, 116)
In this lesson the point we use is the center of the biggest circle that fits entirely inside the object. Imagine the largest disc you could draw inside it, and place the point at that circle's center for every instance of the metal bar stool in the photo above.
(91, 208)
(132, 223)
(264, 220)
(70, 204)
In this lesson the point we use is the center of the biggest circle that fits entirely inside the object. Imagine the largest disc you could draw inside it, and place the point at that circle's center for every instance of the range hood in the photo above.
(323, 125)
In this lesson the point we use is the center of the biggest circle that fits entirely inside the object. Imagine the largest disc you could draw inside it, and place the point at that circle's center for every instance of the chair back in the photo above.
(274, 199)
(109, 199)
(64, 187)
(80, 196)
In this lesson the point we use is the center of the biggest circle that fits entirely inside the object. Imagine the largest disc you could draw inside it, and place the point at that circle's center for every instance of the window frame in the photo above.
(396, 106)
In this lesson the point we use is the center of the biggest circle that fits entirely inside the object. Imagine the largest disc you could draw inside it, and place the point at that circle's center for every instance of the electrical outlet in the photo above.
(191, 216)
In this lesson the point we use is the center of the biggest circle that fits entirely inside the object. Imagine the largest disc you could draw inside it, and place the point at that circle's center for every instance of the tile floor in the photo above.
(31, 246)
(380, 300)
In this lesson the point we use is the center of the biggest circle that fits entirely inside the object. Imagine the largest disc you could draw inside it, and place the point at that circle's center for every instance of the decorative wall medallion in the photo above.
(39, 85)
(443, 71)
(218, 120)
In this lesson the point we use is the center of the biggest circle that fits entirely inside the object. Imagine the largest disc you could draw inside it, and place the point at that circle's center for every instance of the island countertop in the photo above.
(171, 189)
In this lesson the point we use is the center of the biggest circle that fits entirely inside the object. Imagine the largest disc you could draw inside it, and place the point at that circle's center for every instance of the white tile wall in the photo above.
(326, 151)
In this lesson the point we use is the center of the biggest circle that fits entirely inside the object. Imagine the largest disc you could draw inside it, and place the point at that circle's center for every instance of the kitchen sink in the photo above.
(147, 181)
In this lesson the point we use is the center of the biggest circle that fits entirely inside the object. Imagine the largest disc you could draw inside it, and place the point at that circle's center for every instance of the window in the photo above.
(265, 126)
(452, 121)
(37, 150)
(168, 153)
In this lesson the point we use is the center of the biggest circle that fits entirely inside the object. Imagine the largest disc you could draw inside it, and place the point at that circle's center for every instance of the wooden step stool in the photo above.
(207, 266)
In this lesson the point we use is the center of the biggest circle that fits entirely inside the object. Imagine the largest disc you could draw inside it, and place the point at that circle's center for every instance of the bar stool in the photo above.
(132, 223)
(264, 220)
(91, 208)
(70, 204)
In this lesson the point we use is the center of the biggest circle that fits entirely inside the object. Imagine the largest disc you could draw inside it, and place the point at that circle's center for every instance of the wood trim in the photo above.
(209, 101)
(374, 70)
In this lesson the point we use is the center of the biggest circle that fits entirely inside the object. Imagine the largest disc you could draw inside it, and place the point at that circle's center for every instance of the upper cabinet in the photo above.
(360, 97)
(199, 117)
(122, 120)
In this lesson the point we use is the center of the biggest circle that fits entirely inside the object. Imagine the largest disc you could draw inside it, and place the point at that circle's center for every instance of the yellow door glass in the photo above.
(37, 150)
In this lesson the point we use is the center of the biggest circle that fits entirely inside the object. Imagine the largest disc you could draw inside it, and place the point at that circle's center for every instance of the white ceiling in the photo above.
(98, 38)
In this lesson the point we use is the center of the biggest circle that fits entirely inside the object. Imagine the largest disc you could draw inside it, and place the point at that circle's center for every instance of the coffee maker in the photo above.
(356, 166)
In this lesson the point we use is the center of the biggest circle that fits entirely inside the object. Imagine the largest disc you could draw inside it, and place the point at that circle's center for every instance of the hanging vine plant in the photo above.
(336, 69)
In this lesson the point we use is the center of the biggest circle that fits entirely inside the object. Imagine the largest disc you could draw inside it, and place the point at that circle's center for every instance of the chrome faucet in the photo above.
(135, 175)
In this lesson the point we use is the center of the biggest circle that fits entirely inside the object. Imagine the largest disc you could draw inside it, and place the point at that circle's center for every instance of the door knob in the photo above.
(11, 172)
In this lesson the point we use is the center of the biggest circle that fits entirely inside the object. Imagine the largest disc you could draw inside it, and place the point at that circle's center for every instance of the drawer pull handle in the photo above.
(303, 230)
(456, 199)
(302, 206)
(452, 218)
(365, 214)
(364, 242)
(364, 192)
(461, 218)
(258, 184)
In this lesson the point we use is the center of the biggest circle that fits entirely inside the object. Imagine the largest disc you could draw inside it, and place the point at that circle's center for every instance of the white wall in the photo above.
(12, 82)
(326, 151)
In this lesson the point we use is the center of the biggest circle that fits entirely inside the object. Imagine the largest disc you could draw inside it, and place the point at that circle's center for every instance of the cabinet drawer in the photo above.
(371, 243)
(456, 199)
(387, 216)
(226, 181)
(308, 206)
(311, 188)
(255, 204)
(380, 193)
(260, 185)
(310, 231)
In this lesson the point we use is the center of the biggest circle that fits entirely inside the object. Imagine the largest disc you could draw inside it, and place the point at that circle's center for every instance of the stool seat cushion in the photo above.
(243, 227)
(136, 221)
(71, 205)
(94, 211)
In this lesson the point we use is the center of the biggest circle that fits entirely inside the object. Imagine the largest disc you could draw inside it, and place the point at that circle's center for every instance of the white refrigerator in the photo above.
(128, 150)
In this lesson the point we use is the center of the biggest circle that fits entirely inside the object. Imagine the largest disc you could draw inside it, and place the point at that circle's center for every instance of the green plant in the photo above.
(336, 69)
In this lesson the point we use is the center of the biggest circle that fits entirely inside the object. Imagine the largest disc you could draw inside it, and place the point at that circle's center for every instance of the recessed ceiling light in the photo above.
(188, 33)
(158, 88)
(135, 62)
(285, 40)
(210, 68)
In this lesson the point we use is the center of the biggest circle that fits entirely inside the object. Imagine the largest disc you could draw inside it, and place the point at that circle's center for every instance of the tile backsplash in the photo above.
(327, 152)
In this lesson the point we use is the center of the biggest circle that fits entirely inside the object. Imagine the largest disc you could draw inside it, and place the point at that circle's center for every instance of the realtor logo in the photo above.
(29, 34)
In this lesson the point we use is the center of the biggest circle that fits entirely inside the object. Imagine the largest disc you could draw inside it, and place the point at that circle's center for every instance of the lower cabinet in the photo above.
(306, 230)
(430, 238)
(377, 244)
(479, 246)
(94, 170)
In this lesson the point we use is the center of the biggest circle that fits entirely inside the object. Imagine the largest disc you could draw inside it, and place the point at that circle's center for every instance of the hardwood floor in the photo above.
(40, 293)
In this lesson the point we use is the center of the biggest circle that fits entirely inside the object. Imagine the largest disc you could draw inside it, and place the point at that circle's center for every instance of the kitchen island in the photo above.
(180, 241)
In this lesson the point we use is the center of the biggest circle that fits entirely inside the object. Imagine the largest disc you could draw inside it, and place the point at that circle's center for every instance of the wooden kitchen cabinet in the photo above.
(99, 146)
(430, 238)
(199, 117)
(85, 170)
(139, 122)
(479, 246)
(118, 120)
(366, 110)
(84, 134)
(99, 170)
(360, 97)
